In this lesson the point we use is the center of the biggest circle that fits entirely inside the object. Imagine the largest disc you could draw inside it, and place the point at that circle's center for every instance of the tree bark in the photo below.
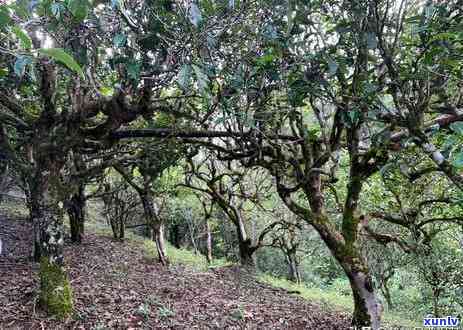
(118, 228)
(156, 224)
(75, 208)
(55, 290)
(435, 302)
(367, 310)
(158, 237)
(175, 235)
(208, 241)
(245, 245)
(3, 160)
(246, 250)
(3, 175)
(293, 267)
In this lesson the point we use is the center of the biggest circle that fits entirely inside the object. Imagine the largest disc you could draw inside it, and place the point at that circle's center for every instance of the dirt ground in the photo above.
(116, 286)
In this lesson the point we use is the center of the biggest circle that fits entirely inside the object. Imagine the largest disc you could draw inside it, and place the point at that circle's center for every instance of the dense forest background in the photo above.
(319, 142)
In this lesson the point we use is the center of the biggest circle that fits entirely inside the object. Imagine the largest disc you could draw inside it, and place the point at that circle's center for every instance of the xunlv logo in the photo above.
(448, 321)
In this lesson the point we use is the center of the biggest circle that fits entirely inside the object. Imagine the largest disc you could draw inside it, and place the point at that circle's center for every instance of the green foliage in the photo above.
(62, 57)
(144, 311)
(79, 9)
(184, 76)
(26, 41)
(21, 63)
(5, 18)
(165, 312)
(120, 40)
(184, 257)
(331, 300)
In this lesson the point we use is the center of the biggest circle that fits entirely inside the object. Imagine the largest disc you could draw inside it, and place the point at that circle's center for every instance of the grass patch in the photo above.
(97, 224)
(332, 300)
(184, 257)
(14, 207)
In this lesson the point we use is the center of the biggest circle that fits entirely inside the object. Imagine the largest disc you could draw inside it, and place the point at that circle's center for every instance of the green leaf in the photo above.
(133, 70)
(429, 11)
(106, 91)
(372, 43)
(202, 78)
(119, 40)
(59, 55)
(332, 67)
(184, 76)
(418, 29)
(457, 127)
(3, 72)
(5, 18)
(20, 64)
(270, 32)
(195, 14)
(458, 160)
(413, 19)
(79, 9)
(26, 41)
(115, 4)
(265, 59)
(22, 8)
(57, 9)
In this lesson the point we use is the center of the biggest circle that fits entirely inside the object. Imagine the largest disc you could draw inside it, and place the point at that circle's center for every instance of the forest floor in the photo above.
(117, 285)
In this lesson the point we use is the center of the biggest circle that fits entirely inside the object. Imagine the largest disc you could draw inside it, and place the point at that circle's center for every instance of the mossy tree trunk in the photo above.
(367, 309)
(344, 245)
(55, 289)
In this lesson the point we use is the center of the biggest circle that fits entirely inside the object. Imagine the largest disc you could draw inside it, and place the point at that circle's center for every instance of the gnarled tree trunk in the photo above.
(367, 309)
(75, 208)
(208, 241)
(3, 175)
(158, 237)
(246, 248)
(55, 289)
(156, 224)
(293, 266)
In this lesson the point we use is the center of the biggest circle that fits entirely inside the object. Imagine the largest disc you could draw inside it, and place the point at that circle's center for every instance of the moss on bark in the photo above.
(55, 289)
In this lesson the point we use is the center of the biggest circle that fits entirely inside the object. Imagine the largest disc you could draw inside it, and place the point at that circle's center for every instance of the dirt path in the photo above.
(116, 287)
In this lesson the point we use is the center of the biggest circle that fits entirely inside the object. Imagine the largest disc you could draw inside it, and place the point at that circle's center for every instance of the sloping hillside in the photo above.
(119, 285)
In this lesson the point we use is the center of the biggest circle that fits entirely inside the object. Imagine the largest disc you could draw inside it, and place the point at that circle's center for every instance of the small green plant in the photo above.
(99, 326)
(153, 301)
(165, 312)
(238, 313)
(144, 310)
